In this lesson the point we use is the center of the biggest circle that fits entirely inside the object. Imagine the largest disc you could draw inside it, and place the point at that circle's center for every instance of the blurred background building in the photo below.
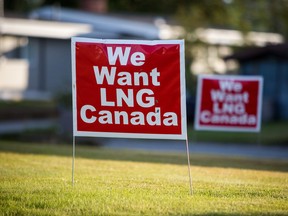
(222, 37)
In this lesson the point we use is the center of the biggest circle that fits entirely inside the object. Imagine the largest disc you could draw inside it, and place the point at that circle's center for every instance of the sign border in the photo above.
(200, 78)
(181, 136)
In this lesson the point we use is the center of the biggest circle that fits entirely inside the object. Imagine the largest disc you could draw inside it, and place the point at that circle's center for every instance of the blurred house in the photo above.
(271, 62)
(211, 45)
(35, 58)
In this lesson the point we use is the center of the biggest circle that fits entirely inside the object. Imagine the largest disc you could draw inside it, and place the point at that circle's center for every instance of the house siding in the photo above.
(50, 65)
(275, 89)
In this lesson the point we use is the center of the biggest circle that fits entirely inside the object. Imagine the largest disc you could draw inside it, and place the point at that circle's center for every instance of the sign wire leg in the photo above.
(73, 161)
(189, 167)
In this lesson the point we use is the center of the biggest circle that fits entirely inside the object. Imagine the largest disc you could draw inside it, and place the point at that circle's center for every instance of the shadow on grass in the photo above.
(92, 152)
(236, 214)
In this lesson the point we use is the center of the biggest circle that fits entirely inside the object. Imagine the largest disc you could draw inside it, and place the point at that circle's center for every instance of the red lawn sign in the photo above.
(128, 88)
(229, 103)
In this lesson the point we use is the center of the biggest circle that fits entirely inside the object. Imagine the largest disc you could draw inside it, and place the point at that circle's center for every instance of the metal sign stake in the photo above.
(189, 167)
(73, 161)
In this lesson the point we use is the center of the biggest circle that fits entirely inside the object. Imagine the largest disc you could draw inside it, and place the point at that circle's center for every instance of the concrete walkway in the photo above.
(227, 149)
(234, 150)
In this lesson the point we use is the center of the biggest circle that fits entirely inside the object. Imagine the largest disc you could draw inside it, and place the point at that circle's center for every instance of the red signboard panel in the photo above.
(124, 88)
(229, 103)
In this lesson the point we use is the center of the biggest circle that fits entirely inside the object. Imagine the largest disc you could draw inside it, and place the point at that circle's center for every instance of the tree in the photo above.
(166, 7)
(24, 6)
(243, 15)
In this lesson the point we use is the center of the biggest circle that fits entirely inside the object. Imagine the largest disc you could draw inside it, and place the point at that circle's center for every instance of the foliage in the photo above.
(24, 104)
(148, 6)
(20, 110)
(64, 99)
(36, 180)
(243, 15)
(24, 6)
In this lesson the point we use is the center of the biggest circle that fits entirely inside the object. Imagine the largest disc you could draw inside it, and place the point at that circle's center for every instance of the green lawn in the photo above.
(36, 180)
(272, 133)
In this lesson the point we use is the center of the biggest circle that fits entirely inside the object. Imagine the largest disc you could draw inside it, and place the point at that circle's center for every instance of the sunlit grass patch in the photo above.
(36, 180)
